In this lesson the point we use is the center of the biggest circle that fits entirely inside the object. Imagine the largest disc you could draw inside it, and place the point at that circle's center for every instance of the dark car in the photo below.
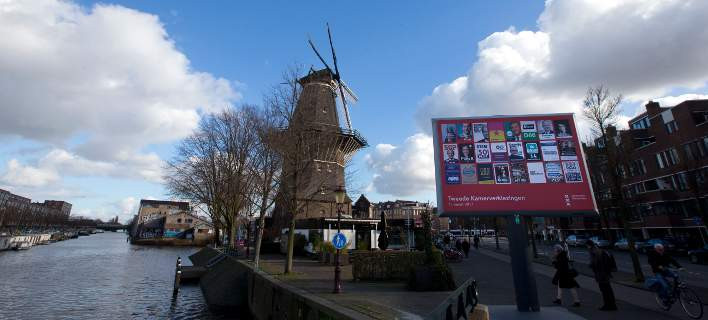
(698, 255)
(649, 245)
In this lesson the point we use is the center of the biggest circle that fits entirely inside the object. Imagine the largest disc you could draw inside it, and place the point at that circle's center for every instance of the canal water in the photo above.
(97, 277)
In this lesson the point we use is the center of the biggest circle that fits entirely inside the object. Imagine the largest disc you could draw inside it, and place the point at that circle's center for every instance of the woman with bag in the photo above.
(565, 275)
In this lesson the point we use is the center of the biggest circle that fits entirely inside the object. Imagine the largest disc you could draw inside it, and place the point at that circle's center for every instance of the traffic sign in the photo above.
(339, 241)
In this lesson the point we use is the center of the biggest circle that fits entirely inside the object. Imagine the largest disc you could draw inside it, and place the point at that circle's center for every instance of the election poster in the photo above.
(519, 173)
(501, 173)
(516, 151)
(499, 152)
(571, 169)
(554, 173)
(525, 164)
(480, 133)
(484, 155)
(536, 172)
(532, 152)
(496, 131)
(469, 173)
(529, 131)
(549, 150)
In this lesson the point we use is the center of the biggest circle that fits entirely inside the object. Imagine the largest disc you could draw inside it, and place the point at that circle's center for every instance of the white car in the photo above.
(576, 240)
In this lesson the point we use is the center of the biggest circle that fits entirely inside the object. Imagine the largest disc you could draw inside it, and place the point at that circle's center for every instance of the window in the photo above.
(666, 183)
(660, 161)
(179, 220)
(189, 220)
(651, 185)
(682, 181)
(642, 123)
(671, 126)
(700, 117)
(666, 158)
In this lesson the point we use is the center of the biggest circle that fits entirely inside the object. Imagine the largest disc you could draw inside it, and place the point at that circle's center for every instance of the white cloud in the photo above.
(404, 170)
(27, 176)
(108, 77)
(640, 48)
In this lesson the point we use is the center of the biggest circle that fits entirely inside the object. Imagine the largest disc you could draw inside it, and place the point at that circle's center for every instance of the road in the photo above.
(695, 274)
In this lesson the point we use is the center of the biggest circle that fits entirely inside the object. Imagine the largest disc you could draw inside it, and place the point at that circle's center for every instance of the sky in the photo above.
(95, 95)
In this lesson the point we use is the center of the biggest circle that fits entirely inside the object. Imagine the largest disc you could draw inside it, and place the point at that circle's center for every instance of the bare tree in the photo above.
(602, 110)
(266, 169)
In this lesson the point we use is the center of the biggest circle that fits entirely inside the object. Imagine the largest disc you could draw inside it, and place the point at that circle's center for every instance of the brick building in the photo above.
(663, 169)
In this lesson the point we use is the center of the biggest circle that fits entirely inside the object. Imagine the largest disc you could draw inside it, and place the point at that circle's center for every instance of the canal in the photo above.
(97, 277)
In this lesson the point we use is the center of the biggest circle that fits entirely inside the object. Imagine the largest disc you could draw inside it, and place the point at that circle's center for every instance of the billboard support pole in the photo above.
(522, 265)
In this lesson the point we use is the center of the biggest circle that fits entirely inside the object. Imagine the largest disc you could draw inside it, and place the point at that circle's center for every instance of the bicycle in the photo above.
(690, 302)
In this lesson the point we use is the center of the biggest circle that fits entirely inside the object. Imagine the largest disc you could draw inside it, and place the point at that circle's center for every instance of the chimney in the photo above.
(611, 131)
(653, 108)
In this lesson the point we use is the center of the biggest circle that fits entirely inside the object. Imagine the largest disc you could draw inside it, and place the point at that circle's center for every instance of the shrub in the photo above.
(435, 276)
(362, 245)
(328, 247)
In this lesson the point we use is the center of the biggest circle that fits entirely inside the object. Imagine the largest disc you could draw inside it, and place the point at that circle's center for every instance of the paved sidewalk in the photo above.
(496, 287)
(379, 300)
(622, 277)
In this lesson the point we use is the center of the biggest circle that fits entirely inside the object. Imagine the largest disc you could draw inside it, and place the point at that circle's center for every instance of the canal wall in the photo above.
(170, 242)
(233, 285)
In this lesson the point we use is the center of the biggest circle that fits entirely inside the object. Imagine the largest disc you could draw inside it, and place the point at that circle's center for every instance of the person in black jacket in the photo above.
(603, 274)
(466, 248)
(660, 261)
(563, 278)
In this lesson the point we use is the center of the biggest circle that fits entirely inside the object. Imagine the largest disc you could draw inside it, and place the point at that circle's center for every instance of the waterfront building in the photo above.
(663, 171)
(154, 209)
(188, 226)
(19, 211)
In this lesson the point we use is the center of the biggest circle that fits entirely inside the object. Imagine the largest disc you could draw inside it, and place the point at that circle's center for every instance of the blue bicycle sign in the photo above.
(339, 241)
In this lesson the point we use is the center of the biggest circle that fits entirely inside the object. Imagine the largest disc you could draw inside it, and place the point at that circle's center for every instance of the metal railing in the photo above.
(458, 305)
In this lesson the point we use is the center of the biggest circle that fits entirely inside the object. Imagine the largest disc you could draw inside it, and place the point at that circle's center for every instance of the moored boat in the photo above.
(22, 245)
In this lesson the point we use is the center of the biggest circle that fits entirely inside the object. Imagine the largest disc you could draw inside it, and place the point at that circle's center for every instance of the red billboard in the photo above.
(526, 164)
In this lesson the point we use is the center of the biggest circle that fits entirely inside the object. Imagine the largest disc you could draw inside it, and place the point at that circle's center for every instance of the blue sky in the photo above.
(407, 61)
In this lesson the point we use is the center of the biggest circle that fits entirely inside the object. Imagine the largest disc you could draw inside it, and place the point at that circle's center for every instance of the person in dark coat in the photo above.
(563, 278)
(660, 262)
(476, 241)
(603, 274)
(466, 248)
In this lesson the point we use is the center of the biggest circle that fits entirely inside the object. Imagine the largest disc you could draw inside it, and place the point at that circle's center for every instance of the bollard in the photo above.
(178, 276)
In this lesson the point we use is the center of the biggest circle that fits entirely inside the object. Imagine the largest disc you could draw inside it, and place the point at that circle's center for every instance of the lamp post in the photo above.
(339, 198)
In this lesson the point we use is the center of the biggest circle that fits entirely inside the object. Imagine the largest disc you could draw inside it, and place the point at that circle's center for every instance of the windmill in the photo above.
(344, 92)
(314, 136)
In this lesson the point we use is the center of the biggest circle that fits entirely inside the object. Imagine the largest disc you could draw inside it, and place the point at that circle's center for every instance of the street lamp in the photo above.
(339, 194)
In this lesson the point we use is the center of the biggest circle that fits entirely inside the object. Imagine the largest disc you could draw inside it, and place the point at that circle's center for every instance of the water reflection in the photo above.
(96, 277)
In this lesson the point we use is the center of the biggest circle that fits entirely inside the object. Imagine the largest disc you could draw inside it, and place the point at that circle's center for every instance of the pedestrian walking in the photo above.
(458, 245)
(565, 275)
(600, 263)
(466, 248)
(476, 241)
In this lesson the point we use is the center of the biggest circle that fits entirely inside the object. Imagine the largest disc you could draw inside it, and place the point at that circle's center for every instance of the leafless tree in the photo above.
(602, 110)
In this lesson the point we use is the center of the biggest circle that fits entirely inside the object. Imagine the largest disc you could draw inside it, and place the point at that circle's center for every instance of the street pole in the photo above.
(337, 268)
(521, 265)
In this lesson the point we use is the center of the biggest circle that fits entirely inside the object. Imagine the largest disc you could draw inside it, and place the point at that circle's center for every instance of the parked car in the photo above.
(576, 240)
(698, 255)
(623, 244)
(600, 242)
(649, 245)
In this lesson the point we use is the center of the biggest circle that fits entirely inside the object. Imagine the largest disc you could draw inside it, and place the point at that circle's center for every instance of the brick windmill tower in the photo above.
(317, 146)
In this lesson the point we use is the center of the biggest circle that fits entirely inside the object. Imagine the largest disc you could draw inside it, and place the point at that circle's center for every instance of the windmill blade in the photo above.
(344, 106)
(349, 92)
(309, 40)
(334, 56)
